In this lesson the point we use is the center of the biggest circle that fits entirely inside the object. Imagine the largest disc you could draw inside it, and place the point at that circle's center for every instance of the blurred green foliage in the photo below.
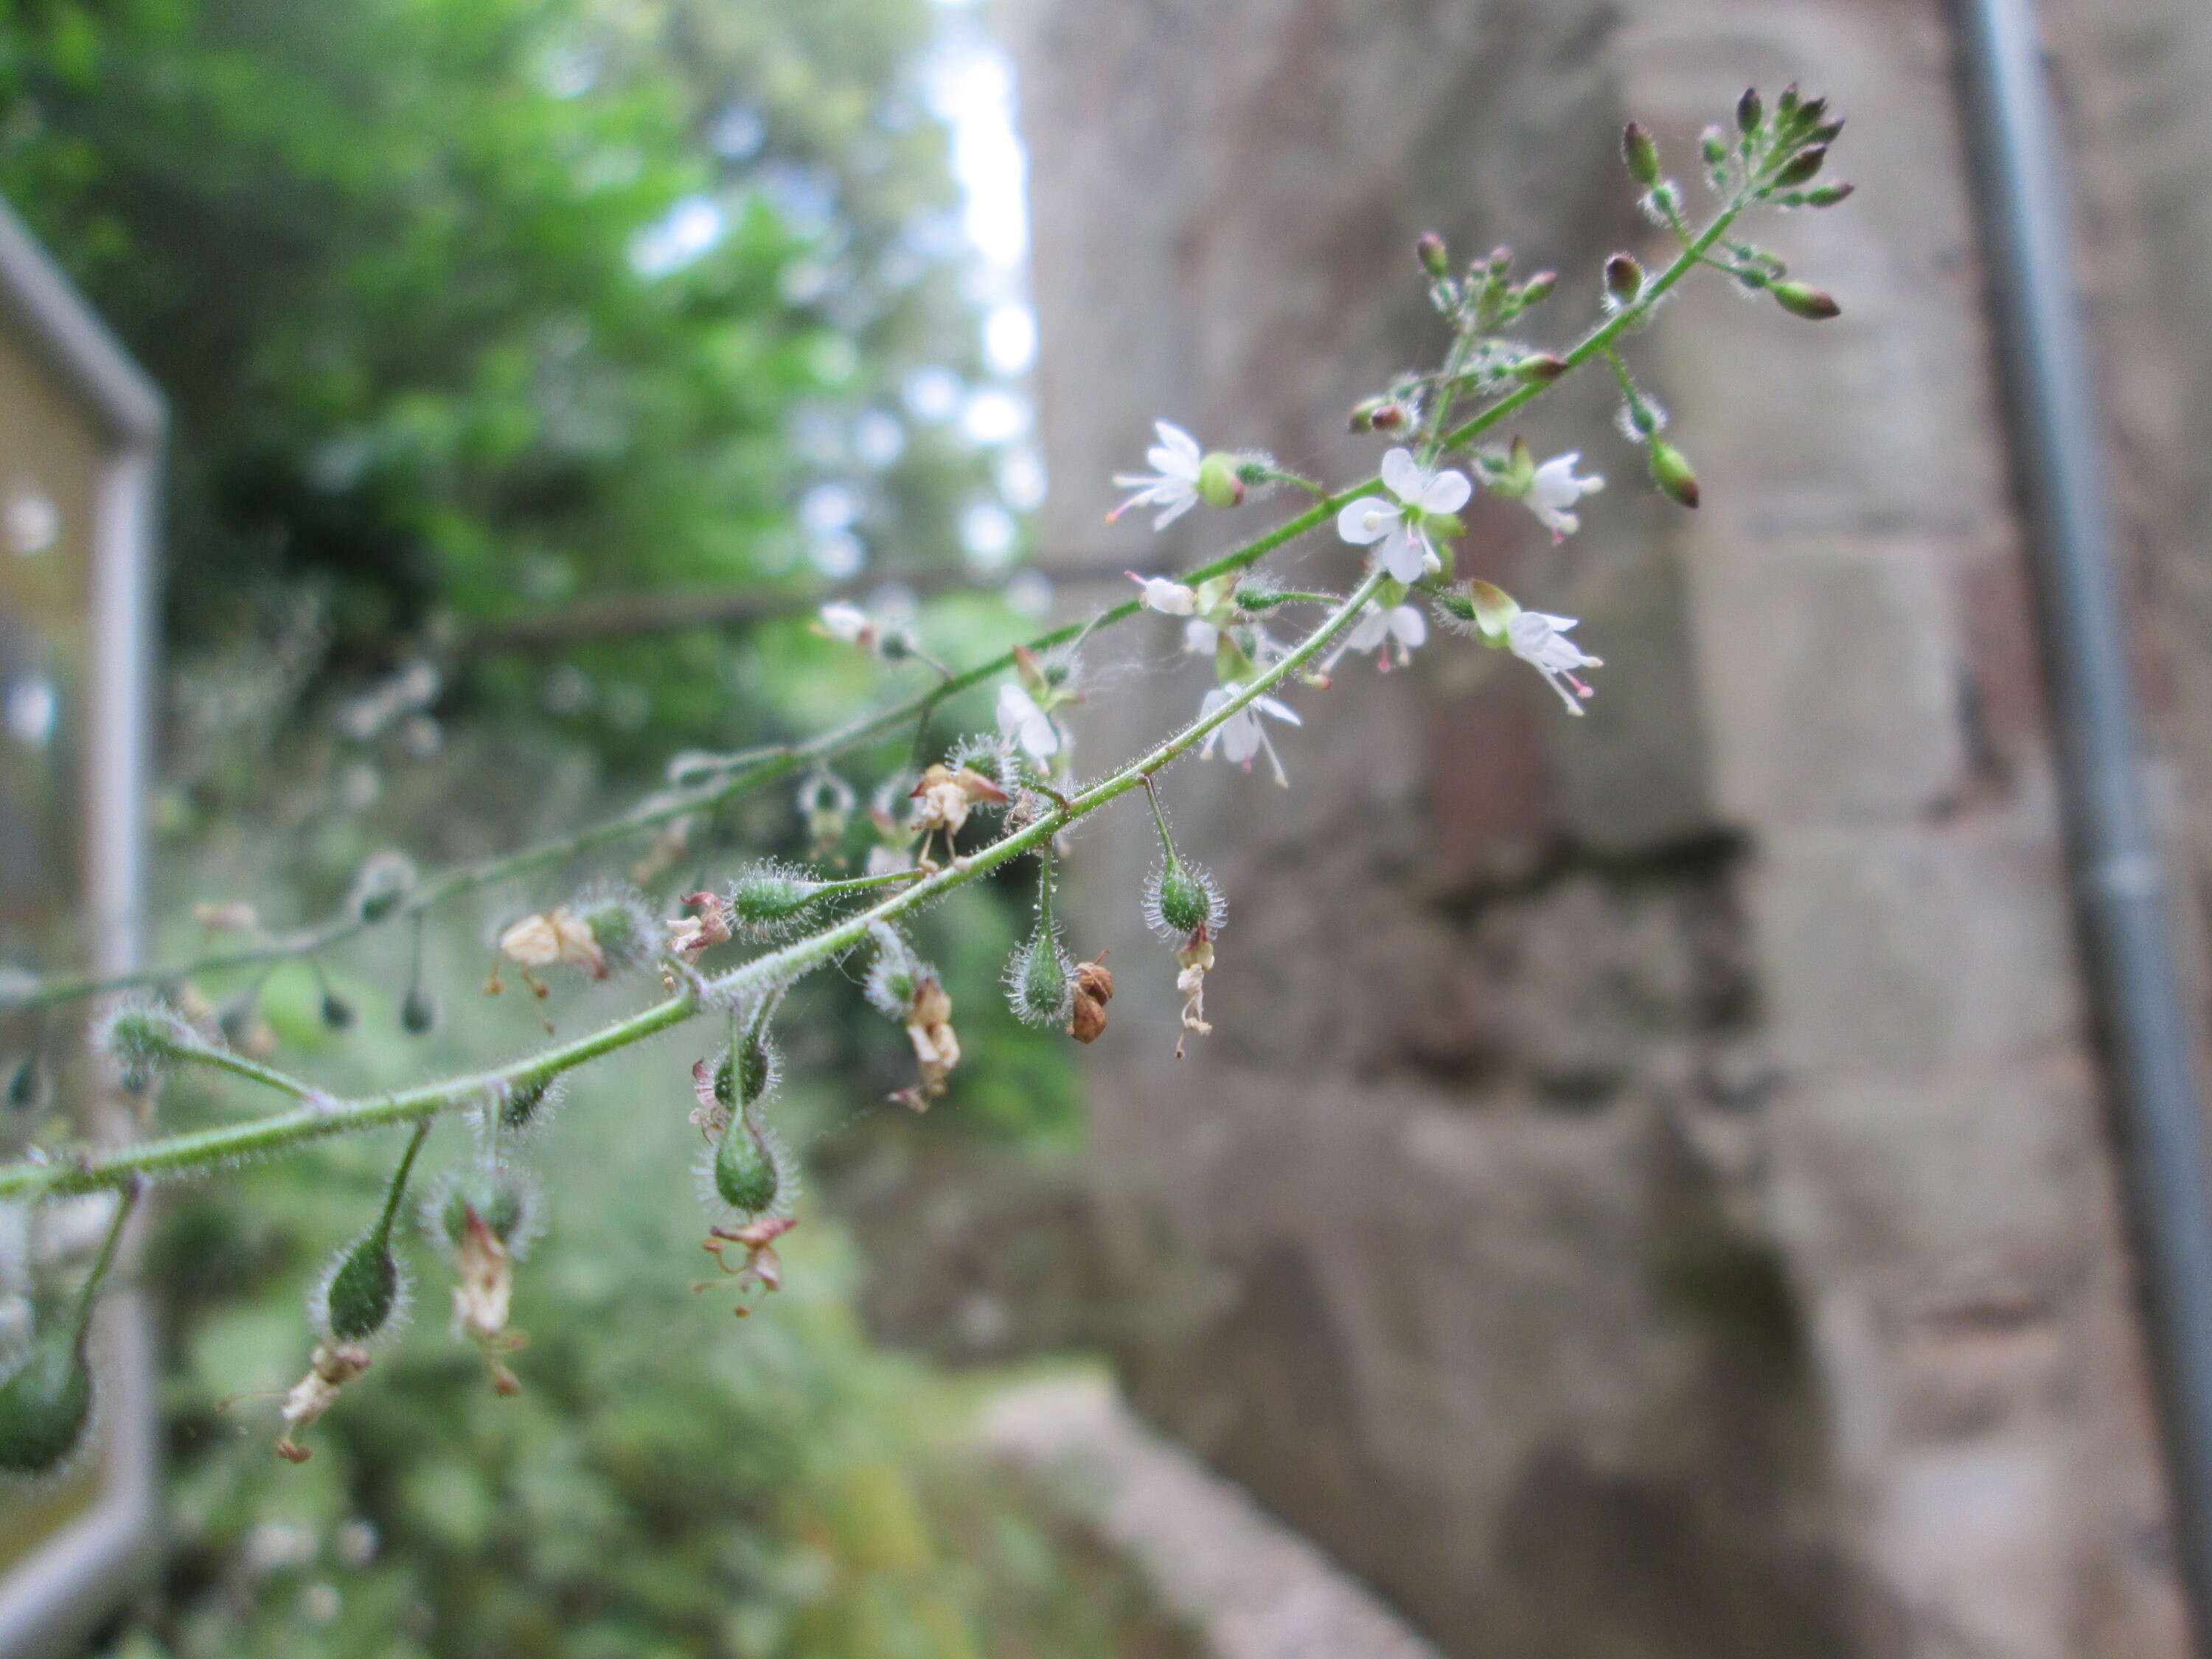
(472, 307)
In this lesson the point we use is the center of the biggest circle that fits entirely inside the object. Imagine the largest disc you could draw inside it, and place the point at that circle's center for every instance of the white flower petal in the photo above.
(1447, 492)
(1368, 519)
(1174, 438)
(1200, 637)
(1402, 476)
(1269, 706)
(1403, 554)
(1411, 627)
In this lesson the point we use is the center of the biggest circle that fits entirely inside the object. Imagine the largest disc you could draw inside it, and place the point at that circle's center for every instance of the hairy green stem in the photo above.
(764, 976)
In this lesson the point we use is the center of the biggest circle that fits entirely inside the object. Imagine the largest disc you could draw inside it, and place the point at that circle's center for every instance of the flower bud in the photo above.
(1809, 113)
(1640, 153)
(1810, 303)
(1670, 471)
(1712, 144)
(1623, 278)
(418, 1012)
(337, 1012)
(45, 1402)
(1750, 111)
(1494, 610)
(1801, 167)
(1540, 368)
(1378, 415)
(1435, 258)
(1823, 196)
(1538, 289)
(363, 1291)
(1218, 483)
(1786, 105)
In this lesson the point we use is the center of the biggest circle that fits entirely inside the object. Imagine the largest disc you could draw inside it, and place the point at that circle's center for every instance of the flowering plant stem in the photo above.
(93, 1170)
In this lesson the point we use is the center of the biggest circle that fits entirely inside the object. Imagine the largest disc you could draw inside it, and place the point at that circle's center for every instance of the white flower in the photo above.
(1199, 637)
(1541, 641)
(848, 625)
(1173, 486)
(1242, 736)
(1403, 626)
(1022, 721)
(1168, 597)
(1403, 550)
(1555, 490)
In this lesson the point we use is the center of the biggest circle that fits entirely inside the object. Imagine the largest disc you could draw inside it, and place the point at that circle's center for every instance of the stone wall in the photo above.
(1648, 1192)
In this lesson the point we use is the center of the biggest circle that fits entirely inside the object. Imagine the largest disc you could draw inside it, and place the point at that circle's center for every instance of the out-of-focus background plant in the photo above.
(472, 311)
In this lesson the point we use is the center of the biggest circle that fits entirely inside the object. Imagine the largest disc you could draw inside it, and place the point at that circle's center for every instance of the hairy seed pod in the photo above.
(44, 1404)
(747, 1071)
(747, 1177)
(1183, 899)
(767, 898)
(524, 1101)
(1037, 980)
(496, 1193)
(358, 1299)
(625, 928)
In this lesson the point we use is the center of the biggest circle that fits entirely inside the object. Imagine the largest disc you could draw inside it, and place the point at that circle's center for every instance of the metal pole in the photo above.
(2142, 1002)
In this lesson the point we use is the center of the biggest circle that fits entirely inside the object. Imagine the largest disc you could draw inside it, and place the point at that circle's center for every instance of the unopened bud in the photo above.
(29, 1086)
(1540, 368)
(1378, 414)
(1827, 133)
(1640, 153)
(1786, 105)
(1670, 471)
(1218, 483)
(1824, 196)
(45, 1402)
(1810, 303)
(1435, 258)
(1494, 609)
(418, 1013)
(1809, 113)
(1801, 167)
(1623, 278)
(1501, 260)
(1539, 288)
(1749, 111)
(337, 1014)
(1712, 144)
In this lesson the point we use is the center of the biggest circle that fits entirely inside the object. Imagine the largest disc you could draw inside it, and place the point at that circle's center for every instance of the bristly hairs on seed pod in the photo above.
(1038, 973)
(626, 928)
(895, 974)
(366, 1293)
(995, 758)
(521, 1109)
(1180, 897)
(771, 900)
(145, 1037)
(398, 1310)
(506, 1196)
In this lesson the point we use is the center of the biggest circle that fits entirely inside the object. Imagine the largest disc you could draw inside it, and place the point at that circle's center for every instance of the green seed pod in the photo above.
(364, 1288)
(1180, 899)
(1810, 303)
(624, 927)
(747, 1071)
(767, 898)
(1219, 485)
(524, 1101)
(418, 1014)
(747, 1173)
(45, 1403)
(28, 1085)
(1038, 981)
(1670, 471)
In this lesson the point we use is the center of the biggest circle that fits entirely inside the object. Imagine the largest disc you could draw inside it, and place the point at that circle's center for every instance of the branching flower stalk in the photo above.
(1405, 520)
